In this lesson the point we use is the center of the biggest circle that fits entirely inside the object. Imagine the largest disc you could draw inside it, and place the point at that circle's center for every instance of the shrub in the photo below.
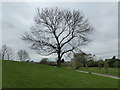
(116, 64)
(44, 61)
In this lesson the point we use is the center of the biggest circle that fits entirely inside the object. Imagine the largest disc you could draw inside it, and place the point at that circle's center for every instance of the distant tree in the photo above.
(55, 29)
(116, 64)
(84, 57)
(100, 64)
(112, 61)
(95, 63)
(80, 59)
(27, 61)
(23, 55)
(94, 58)
(6, 52)
(90, 63)
(90, 57)
(90, 60)
(3, 51)
(72, 63)
(106, 66)
(78, 64)
(44, 61)
(32, 61)
(114, 57)
(9, 53)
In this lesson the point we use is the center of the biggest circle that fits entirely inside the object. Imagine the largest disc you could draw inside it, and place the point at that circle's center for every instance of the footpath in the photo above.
(100, 74)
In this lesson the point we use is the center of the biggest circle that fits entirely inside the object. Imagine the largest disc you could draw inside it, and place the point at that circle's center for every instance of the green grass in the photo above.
(28, 75)
(111, 71)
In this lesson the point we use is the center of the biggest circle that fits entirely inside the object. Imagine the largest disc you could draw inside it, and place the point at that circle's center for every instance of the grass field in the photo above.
(111, 71)
(28, 75)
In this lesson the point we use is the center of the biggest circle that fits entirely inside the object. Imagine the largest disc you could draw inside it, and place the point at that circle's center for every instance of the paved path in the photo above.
(100, 74)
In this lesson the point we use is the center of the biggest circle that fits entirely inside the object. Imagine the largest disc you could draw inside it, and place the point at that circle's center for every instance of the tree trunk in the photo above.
(3, 57)
(59, 56)
(84, 65)
(59, 60)
(8, 57)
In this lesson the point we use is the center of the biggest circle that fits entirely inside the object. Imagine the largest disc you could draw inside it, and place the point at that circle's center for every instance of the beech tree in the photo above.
(22, 55)
(58, 31)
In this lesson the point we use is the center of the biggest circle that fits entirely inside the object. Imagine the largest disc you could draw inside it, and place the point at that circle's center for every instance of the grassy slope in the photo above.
(27, 75)
(111, 71)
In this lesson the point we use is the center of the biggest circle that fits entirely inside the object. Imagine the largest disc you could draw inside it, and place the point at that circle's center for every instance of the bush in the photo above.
(44, 61)
(113, 62)
(27, 61)
(116, 64)
(31, 61)
(52, 63)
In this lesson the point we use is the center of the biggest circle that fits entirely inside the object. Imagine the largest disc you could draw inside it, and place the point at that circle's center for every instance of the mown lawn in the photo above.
(111, 71)
(28, 75)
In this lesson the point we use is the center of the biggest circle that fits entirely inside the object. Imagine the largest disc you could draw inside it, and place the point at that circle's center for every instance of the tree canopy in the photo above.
(58, 31)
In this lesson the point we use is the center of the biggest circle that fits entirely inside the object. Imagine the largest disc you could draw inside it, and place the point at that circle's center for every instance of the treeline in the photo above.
(111, 63)
(45, 61)
(6, 53)
(85, 60)
(79, 59)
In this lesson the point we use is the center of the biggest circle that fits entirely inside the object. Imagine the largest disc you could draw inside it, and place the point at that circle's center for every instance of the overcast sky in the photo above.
(18, 17)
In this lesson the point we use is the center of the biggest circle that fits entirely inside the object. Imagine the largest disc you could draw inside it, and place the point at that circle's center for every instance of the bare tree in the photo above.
(3, 51)
(6, 52)
(23, 55)
(58, 31)
(9, 54)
